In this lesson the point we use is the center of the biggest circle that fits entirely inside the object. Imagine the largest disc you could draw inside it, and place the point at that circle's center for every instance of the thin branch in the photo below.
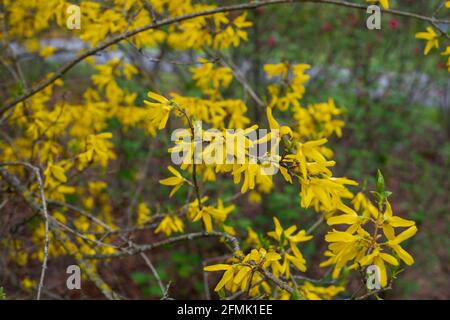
(283, 285)
(155, 273)
(168, 21)
(185, 237)
(18, 187)
(316, 224)
(239, 77)
(375, 292)
(194, 165)
(37, 173)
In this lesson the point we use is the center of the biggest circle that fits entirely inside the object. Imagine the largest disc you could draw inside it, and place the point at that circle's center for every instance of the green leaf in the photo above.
(221, 294)
(295, 295)
(380, 182)
(140, 278)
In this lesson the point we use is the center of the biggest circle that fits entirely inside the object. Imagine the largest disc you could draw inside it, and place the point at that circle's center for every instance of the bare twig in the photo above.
(37, 173)
(155, 273)
(194, 165)
(185, 237)
(16, 185)
(283, 285)
(374, 292)
(239, 77)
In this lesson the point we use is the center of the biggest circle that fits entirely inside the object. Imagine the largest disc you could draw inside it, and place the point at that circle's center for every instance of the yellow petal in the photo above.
(163, 122)
(174, 171)
(157, 97)
(217, 267)
(273, 124)
(381, 271)
(58, 172)
(388, 232)
(172, 181)
(175, 189)
(388, 211)
(389, 259)
(208, 222)
(338, 236)
(227, 276)
(404, 235)
(241, 274)
(400, 222)
(405, 256)
(343, 219)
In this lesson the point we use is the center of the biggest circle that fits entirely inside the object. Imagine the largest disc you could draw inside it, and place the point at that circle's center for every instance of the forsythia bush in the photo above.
(49, 141)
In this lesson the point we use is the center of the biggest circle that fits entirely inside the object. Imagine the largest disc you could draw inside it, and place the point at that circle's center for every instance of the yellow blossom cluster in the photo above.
(246, 273)
(360, 246)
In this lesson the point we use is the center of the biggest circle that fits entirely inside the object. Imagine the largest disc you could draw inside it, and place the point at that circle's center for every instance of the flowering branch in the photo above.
(189, 236)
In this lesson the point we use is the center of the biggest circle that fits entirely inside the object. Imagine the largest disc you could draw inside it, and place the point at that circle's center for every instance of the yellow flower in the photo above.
(220, 212)
(252, 238)
(281, 236)
(177, 180)
(309, 151)
(96, 187)
(28, 284)
(210, 79)
(46, 52)
(395, 244)
(129, 70)
(327, 192)
(143, 214)
(54, 172)
(378, 258)
(170, 224)
(227, 276)
(205, 214)
(158, 111)
(251, 172)
(275, 70)
(238, 275)
(273, 124)
(254, 197)
(97, 150)
(389, 221)
(446, 52)
(340, 236)
(384, 3)
(431, 37)
(229, 230)
(312, 292)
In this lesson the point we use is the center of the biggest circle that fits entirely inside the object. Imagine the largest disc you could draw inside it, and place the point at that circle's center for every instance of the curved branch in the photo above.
(246, 6)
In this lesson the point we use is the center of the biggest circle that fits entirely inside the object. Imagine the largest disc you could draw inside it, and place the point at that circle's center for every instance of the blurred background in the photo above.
(397, 114)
